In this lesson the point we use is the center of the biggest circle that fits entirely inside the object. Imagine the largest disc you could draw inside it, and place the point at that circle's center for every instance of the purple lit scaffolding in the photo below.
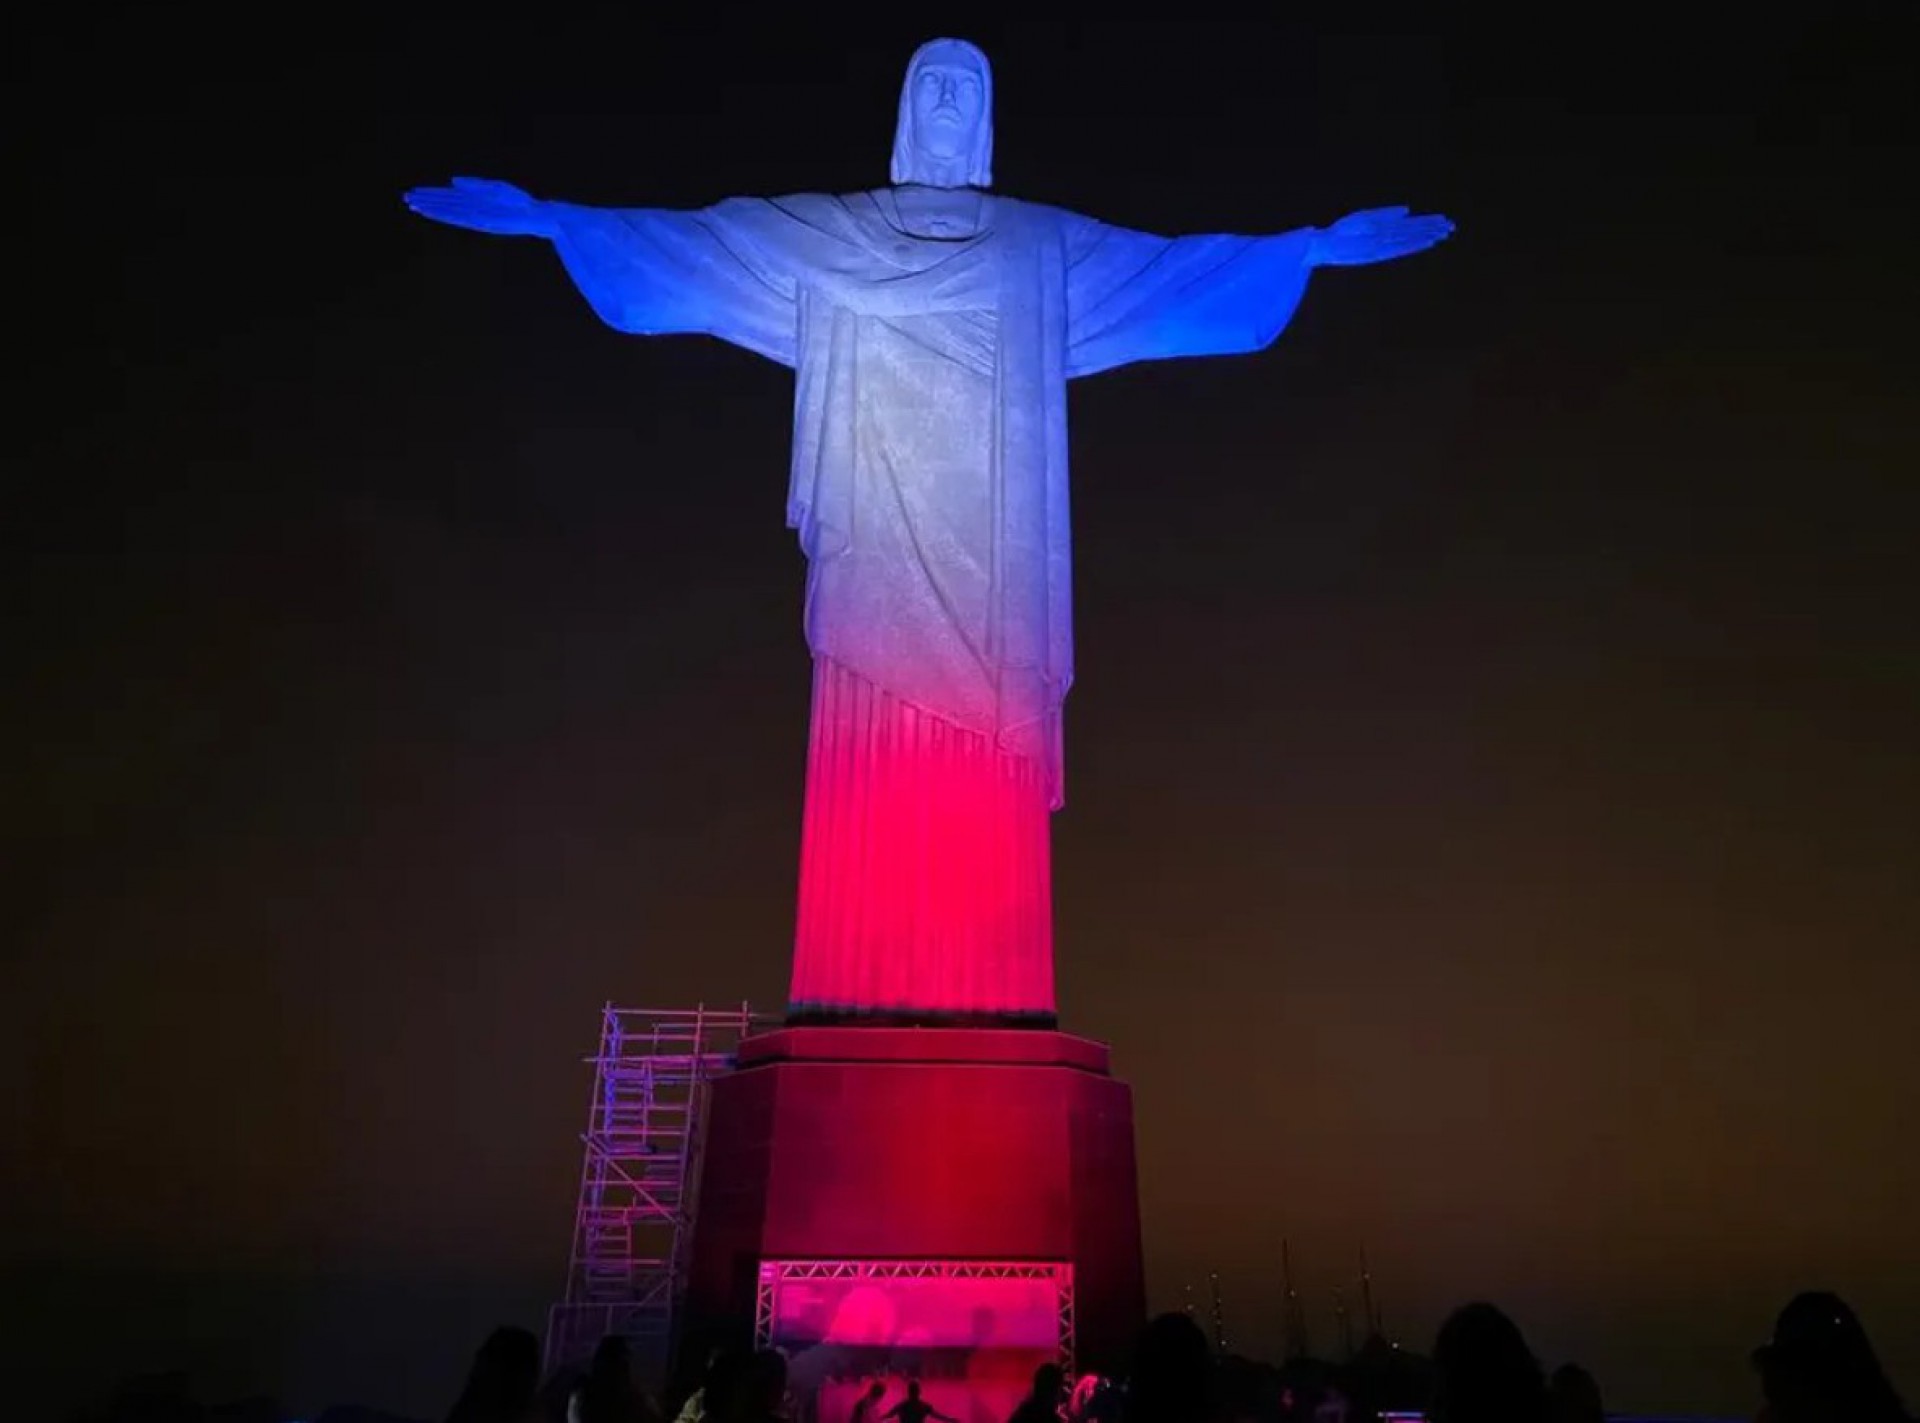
(641, 1166)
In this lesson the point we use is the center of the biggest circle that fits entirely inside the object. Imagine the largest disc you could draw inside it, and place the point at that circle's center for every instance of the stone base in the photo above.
(883, 1143)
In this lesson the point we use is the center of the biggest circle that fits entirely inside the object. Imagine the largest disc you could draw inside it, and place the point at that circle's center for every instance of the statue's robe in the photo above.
(929, 491)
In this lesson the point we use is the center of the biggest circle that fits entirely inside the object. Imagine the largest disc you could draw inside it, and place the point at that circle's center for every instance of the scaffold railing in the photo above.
(639, 1176)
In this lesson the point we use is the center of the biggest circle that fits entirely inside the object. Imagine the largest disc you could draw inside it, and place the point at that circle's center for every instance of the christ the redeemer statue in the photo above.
(932, 327)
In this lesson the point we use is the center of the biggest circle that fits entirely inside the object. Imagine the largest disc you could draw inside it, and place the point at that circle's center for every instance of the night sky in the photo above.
(1492, 781)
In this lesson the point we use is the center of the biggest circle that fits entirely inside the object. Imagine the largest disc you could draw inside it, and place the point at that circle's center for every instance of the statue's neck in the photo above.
(940, 212)
(932, 172)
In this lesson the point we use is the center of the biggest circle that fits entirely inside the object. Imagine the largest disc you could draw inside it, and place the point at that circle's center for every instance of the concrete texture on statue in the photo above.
(932, 326)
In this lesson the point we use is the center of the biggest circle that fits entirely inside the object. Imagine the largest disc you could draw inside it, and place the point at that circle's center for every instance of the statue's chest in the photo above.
(942, 216)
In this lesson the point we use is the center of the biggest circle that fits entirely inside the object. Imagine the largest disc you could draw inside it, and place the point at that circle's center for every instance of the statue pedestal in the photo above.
(938, 1145)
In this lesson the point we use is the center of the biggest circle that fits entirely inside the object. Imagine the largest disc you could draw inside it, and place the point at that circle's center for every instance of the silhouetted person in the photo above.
(722, 1397)
(1042, 1403)
(608, 1395)
(503, 1382)
(915, 1409)
(761, 1396)
(1172, 1379)
(689, 1402)
(1095, 1400)
(1084, 1398)
(1819, 1367)
(866, 1406)
(1574, 1397)
(1484, 1372)
(558, 1398)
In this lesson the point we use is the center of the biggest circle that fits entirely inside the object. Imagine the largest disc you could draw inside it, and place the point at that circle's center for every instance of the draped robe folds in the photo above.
(929, 491)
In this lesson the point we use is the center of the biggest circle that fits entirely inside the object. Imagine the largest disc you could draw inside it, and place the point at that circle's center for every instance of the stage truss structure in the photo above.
(640, 1172)
(775, 1273)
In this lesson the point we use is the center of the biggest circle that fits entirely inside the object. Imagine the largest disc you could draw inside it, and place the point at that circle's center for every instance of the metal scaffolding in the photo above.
(633, 1226)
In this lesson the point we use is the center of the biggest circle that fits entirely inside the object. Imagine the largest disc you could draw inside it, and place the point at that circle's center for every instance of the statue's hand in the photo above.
(1376, 235)
(485, 206)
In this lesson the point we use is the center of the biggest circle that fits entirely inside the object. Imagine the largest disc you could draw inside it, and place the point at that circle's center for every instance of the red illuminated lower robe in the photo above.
(925, 865)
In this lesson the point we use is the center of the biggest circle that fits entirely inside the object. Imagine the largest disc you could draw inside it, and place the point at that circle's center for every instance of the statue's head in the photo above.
(945, 135)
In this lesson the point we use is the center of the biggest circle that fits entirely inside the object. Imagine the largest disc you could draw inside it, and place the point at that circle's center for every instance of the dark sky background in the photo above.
(1493, 795)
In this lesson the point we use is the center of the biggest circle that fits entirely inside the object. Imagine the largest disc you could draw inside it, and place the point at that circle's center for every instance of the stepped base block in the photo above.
(936, 1145)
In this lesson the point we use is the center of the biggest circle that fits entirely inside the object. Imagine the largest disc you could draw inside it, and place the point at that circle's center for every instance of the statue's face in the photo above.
(948, 100)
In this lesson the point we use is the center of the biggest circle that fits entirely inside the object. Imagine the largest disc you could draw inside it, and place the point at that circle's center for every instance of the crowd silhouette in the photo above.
(1817, 1367)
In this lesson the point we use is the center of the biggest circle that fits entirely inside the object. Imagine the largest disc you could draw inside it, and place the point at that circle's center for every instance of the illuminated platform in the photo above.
(971, 1333)
(924, 1156)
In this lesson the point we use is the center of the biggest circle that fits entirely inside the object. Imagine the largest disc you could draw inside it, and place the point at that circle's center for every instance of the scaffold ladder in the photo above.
(639, 1175)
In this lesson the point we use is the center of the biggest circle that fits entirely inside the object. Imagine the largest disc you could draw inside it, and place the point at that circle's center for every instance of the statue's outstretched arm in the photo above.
(1376, 235)
(1137, 296)
(714, 271)
(484, 205)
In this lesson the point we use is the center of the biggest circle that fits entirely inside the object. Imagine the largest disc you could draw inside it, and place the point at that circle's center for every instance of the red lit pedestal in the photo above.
(922, 1144)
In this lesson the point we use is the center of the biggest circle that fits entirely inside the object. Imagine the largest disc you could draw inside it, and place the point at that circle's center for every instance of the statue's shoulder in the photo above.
(815, 204)
(1037, 213)
(1045, 226)
(804, 206)
(840, 214)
